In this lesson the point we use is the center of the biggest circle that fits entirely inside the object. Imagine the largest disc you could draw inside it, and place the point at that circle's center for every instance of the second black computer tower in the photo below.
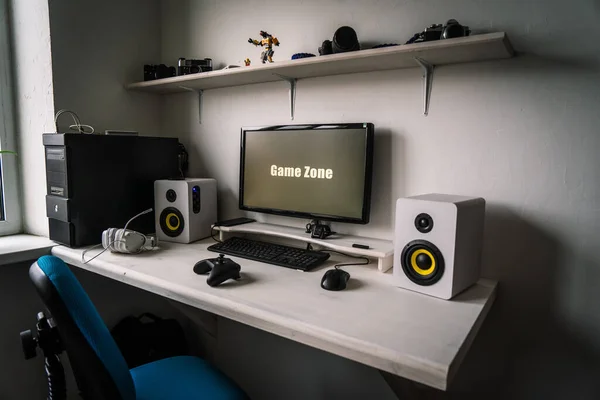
(95, 182)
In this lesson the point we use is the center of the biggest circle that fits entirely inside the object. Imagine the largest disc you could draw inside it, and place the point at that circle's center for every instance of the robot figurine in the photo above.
(267, 42)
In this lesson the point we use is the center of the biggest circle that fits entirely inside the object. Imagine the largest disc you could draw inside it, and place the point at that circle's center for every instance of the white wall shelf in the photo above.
(485, 47)
(381, 250)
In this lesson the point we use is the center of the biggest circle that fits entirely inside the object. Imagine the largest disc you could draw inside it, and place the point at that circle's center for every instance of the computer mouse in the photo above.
(203, 267)
(335, 279)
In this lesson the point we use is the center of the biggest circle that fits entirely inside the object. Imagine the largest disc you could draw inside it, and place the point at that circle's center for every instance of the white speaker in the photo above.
(437, 243)
(184, 209)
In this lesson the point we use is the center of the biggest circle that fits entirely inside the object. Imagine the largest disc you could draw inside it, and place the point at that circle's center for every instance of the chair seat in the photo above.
(183, 377)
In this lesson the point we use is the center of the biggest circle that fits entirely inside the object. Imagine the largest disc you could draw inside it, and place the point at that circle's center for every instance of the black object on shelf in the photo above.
(160, 71)
(326, 48)
(344, 40)
(187, 67)
(452, 29)
(318, 230)
(298, 56)
(380, 46)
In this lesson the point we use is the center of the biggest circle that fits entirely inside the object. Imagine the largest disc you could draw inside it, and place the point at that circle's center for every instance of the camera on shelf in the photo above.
(452, 29)
(186, 67)
(152, 72)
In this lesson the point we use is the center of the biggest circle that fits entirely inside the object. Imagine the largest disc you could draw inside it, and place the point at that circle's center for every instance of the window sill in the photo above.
(18, 248)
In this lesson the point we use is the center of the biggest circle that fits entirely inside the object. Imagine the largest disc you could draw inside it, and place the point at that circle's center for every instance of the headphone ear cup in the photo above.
(119, 243)
(105, 240)
(108, 238)
(134, 242)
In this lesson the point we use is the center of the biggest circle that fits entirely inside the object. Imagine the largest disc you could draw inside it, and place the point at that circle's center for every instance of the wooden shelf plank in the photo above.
(382, 250)
(490, 46)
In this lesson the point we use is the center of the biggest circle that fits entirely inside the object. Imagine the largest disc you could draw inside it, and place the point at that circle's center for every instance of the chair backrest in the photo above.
(99, 367)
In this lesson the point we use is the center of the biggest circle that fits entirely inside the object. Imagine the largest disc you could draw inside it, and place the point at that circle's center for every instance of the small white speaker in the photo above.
(437, 243)
(184, 209)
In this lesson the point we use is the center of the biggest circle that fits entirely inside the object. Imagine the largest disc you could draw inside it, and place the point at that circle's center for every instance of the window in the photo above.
(10, 213)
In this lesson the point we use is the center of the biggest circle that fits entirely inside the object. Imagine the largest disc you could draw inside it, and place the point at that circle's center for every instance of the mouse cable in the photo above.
(367, 262)
(365, 259)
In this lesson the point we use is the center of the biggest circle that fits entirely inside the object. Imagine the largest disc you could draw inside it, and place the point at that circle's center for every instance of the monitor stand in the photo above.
(382, 250)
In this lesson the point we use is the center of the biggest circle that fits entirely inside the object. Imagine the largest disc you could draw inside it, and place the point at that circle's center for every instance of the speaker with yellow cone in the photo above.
(437, 243)
(185, 209)
(422, 262)
(171, 222)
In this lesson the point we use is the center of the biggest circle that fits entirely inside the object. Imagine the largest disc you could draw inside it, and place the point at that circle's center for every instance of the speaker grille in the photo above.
(422, 262)
(171, 222)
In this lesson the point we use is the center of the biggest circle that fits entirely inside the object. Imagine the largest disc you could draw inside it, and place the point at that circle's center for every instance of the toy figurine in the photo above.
(267, 42)
(247, 62)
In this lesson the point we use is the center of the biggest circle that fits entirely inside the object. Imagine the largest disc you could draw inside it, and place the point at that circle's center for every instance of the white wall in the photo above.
(34, 105)
(522, 133)
(97, 48)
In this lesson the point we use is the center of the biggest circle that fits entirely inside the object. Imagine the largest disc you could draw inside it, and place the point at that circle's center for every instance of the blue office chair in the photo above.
(99, 367)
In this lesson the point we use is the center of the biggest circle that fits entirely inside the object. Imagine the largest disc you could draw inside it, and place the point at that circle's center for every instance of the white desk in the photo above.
(373, 322)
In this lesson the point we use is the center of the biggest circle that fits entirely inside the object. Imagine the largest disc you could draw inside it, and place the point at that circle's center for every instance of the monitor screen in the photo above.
(310, 171)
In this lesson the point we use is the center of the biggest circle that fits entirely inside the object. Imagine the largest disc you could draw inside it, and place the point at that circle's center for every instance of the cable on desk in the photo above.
(212, 229)
(365, 259)
(336, 266)
(97, 255)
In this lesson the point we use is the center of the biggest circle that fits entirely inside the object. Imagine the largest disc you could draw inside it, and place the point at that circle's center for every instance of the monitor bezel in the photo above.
(368, 171)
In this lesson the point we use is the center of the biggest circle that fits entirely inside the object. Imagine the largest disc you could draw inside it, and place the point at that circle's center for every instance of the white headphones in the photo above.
(126, 241)
(123, 241)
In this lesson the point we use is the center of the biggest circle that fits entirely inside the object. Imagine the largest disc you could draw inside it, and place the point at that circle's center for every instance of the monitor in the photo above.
(308, 171)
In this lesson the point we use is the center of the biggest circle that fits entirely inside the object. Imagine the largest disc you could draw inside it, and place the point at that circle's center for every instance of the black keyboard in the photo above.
(284, 256)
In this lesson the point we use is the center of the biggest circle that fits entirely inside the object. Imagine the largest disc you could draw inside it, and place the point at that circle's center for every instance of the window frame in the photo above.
(8, 169)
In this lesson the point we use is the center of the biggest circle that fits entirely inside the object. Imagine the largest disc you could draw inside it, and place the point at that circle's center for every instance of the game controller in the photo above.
(219, 269)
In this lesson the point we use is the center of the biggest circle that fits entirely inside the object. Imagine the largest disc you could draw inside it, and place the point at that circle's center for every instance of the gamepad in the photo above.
(221, 269)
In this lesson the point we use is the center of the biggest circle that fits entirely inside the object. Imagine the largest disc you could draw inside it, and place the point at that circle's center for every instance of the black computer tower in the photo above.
(95, 182)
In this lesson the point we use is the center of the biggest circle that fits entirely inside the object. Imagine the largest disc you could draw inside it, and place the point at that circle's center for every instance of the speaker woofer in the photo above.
(422, 262)
(171, 222)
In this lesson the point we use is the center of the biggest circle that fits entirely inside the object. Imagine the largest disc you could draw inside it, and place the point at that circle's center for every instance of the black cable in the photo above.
(365, 259)
(367, 262)
(212, 229)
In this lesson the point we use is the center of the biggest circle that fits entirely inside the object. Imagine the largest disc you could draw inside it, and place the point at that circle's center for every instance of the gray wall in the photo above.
(97, 48)
(78, 56)
(522, 133)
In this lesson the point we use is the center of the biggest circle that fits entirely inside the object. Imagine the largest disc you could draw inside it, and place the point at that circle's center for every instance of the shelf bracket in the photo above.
(427, 69)
(200, 92)
(292, 82)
